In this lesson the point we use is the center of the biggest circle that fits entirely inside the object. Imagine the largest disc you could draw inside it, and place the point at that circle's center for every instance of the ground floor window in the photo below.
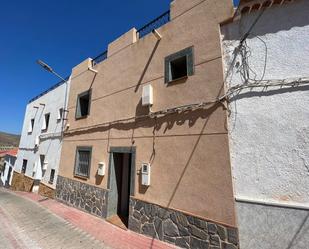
(24, 167)
(82, 161)
(52, 176)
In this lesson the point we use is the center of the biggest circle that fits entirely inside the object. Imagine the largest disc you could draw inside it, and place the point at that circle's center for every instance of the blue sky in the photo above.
(62, 33)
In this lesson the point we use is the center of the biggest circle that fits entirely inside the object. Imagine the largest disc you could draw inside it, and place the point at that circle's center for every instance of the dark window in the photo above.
(42, 160)
(83, 161)
(178, 68)
(24, 167)
(52, 176)
(31, 125)
(60, 114)
(46, 122)
(83, 105)
(179, 65)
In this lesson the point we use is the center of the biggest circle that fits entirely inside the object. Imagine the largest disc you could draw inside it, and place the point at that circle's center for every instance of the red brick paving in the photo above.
(111, 235)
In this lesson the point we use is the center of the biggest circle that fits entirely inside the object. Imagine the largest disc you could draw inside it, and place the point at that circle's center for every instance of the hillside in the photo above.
(9, 139)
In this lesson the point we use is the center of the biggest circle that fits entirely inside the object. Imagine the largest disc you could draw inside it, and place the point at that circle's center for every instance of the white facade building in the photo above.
(41, 139)
(266, 60)
(9, 162)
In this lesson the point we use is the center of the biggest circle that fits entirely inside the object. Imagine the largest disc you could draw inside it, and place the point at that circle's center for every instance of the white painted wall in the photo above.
(9, 163)
(269, 128)
(50, 142)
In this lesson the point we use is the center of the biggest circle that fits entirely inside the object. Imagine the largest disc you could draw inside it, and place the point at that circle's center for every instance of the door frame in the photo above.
(128, 150)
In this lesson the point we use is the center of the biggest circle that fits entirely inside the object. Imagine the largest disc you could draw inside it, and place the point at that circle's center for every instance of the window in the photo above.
(83, 105)
(60, 114)
(82, 161)
(31, 125)
(42, 161)
(179, 65)
(24, 167)
(52, 176)
(45, 122)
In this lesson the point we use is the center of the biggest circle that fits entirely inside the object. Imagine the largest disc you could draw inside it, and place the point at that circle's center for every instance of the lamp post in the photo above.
(49, 69)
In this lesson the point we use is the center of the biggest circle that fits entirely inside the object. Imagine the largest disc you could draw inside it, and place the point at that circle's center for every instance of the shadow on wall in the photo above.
(147, 65)
(265, 92)
(169, 120)
(287, 16)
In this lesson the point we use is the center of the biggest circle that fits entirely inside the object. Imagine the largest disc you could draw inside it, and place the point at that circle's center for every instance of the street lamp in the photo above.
(49, 69)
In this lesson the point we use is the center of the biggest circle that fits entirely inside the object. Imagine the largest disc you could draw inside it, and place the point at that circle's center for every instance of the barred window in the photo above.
(83, 161)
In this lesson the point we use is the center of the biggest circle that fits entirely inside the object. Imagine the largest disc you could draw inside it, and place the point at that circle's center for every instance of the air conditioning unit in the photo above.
(147, 95)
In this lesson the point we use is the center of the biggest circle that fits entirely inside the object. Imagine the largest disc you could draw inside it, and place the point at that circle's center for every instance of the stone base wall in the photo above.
(46, 191)
(20, 182)
(179, 228)
(82, 196)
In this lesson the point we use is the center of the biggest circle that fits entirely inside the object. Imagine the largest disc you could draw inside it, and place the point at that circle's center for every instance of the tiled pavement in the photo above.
(77, 226)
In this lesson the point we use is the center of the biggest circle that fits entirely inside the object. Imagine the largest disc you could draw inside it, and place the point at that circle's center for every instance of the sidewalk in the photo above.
(101, 230)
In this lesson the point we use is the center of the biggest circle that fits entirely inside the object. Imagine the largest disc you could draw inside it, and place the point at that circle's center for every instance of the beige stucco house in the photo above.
(146, 142)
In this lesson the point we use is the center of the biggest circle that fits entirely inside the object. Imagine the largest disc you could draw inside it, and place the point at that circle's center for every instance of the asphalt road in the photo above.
(25, 224)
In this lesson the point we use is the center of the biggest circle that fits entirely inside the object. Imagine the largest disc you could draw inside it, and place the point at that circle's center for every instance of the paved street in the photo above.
(28, 220)
(25, 224)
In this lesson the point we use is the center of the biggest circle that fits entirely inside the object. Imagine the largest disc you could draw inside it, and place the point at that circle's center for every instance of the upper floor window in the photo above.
(45, 122)
(31, 125)
(179, 65)
(60, 114)
(83, 105)
(83, 161)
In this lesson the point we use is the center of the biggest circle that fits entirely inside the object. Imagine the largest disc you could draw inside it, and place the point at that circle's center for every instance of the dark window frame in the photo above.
(188, 53)
(32, 121)
(77, 109)
(52, 176)
(47, 122)
(60, 114)
(24, 167)
(78, 149)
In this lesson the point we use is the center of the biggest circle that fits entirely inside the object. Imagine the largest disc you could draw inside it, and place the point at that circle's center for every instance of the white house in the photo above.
(36, 167)
(266, 59)
(8, 166)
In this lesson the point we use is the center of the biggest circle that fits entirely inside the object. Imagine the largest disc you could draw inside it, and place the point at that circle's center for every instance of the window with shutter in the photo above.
(45, 122)
(31, 125)
(83, 105)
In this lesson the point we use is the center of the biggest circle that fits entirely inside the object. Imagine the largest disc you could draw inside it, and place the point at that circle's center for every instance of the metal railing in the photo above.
(156, 23)
(101, 57)
(145, 30)
(49, 89)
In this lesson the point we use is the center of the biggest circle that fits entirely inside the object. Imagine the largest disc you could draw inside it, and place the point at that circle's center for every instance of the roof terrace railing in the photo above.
(48, 90)
(145, 30)
(156, 23)
(101, 57)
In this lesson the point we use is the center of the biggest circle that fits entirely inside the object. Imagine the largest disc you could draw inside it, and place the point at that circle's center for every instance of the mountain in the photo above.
(9, 139)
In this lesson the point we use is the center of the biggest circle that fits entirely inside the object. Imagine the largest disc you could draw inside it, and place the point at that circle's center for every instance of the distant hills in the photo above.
(7, 139)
